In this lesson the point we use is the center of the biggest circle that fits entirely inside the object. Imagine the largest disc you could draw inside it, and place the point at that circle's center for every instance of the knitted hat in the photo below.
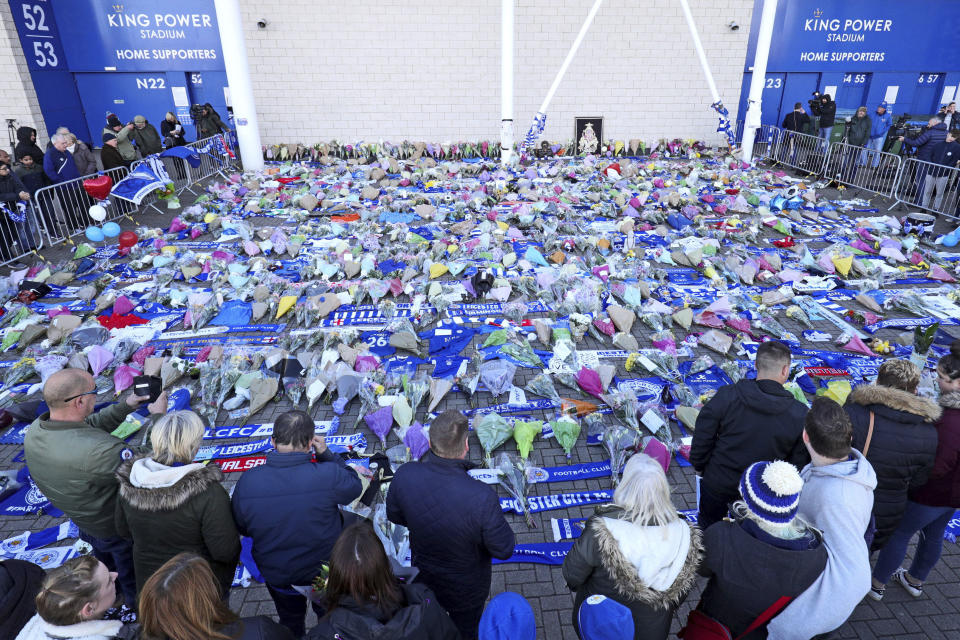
(508, 617)
(107, 136)
(113, 120)
(771, 491)
(601, 618)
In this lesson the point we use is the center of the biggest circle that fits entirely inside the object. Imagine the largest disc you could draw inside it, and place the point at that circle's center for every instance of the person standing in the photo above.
(58, 162)
(949, 117)
(880, 124)
(210, 123)
(743, 423)
(274, 503)
(763, 559)
(72, 602)
(17, 235)
(857, 136)
(124, 134)
(82, 156)
(182, 601)
(637, 551)
(73, 460)
(365, 601)
(455, 522)
(797, 121)
(27, 145)
(933, 134)
(30, 173)
(170, 504)
(893, 427)
(110, 155)
(172, 131)
(930, 507)
(945, 156)
(146, 137)
(837, 499)
(828, 115)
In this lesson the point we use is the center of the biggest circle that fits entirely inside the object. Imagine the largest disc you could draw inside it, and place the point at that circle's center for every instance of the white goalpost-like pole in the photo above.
(759, 71)
(539, 121)
(506, 80)
(701, 54)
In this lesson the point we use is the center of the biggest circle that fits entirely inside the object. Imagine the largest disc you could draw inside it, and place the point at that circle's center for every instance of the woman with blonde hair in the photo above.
(637, 551)
(72, 601)
(181, 601)
(169, 504)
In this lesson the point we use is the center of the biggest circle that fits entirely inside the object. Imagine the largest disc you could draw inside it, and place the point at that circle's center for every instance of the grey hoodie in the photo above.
(836, 499)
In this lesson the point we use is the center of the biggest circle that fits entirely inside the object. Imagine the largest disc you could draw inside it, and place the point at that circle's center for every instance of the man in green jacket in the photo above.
(124, 135)
(73, 460)
(146, 137)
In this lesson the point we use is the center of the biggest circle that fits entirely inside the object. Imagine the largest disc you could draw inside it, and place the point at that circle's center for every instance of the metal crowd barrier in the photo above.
(765, 141)
(929, 186)
(801, 151)
(862, 168)
(738, 132)
(19, 239)
(63, 208)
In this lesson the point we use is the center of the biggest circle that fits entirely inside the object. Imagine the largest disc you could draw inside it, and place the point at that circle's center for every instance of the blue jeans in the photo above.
(825, 133)
(117, 554)
(876, 144)
(931, 523)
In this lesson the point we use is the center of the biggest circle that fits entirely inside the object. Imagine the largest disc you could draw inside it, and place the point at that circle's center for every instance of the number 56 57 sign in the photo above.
(38, 34)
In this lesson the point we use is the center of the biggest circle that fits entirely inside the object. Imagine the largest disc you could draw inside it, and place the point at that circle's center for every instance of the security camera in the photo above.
(262, 23)
(734, 26)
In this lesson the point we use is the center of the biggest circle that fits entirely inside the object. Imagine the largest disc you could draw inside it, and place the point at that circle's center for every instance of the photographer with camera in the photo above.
(930, 137)
(948, 115)
(827, 110)
(124, 137)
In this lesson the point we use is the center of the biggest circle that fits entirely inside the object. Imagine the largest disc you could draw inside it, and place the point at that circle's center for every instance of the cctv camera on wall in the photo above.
(734, 26)
(262, 23)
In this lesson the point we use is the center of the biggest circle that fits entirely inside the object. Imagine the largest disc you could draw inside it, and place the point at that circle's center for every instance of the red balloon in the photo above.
(98, 188)
(127, 239)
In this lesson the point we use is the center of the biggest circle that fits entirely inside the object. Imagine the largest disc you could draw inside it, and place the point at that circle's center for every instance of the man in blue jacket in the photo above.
(880, 125)
(455, 522)
(930, 137)
(289, 507)
(58, 163)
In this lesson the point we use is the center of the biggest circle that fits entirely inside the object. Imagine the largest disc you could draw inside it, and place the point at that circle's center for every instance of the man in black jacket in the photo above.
(27, 144)
(902, 443)
(828, 115)
(743, 423)
(455, 522)
(933, 134)
(289, 507)
(796, 120)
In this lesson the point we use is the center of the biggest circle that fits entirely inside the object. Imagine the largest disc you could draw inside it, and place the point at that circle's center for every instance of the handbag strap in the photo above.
(766, 616)
(866, 445)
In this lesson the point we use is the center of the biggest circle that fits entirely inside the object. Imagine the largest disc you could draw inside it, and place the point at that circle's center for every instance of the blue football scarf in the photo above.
(952, 532)
(16, 545)
(27, 499)
(337, 444)
(567, 528)
(138, 183)
(536, 504)
(321, 427)
(552, 553)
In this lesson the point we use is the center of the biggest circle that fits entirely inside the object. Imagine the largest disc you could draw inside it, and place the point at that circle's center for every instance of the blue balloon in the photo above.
(111, 229)
(94, 234)
(951, 239)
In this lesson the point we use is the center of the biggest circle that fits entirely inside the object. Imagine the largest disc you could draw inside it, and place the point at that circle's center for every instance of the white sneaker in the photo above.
(876, 592)
(900, 575)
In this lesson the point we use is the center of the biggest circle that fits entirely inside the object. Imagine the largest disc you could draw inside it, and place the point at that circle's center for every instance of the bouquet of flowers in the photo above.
(492, 431)
(617, 440)
(513, 477)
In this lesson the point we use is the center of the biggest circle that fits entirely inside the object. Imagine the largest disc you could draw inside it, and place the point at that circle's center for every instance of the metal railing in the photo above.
(765, 141)
(862, 168)
(929, 186)
(19, 238)
(801, 151)
(63, 208)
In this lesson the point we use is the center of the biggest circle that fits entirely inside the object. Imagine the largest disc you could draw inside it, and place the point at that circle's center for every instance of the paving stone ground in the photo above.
(935, 615)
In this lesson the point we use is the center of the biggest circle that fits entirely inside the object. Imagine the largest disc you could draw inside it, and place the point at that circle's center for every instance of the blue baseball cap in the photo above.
(508, 617)
(883, 104)
(601, 618)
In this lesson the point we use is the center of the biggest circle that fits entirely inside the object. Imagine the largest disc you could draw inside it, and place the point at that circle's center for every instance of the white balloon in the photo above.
(98, 213)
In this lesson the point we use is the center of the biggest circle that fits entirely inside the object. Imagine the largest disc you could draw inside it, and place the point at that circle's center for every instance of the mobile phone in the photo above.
(150, 386)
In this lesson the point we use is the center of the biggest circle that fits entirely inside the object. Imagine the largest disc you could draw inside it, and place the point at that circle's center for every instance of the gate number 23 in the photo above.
(35, 20)
(773, 83)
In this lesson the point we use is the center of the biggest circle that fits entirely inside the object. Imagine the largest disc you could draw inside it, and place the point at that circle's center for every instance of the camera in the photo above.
(262, 23)
(733, 25)
(196, 111)
(814, 103)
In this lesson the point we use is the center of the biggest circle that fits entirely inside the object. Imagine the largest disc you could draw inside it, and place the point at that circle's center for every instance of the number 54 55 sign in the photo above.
(38, 34)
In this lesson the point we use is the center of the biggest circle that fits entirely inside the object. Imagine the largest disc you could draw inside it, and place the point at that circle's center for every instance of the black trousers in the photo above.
(712, 508)
(292, 609)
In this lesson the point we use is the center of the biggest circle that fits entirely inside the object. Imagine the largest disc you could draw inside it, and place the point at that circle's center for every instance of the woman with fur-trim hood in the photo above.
(903, 442)
(637, 551)
(169, 504)
(930, 507)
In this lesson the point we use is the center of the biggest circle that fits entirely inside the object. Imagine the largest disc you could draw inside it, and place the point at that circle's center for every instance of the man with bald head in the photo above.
(72, 458)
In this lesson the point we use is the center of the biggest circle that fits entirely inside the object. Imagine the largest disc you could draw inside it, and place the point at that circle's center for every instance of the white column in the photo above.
(506, 80)
(701, 54)
(752, 119)
(238, 77)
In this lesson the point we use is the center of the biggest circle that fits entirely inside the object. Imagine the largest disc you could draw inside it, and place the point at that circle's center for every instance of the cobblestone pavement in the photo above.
(935, 615)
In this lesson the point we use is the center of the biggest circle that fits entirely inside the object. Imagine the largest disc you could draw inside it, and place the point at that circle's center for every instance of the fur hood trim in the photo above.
(868, 394)
(166, 498)
(950, 400)
(629, 584)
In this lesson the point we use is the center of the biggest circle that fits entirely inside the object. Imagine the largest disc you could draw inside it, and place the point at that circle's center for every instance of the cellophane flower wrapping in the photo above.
(542, 385)
(616, 440)
(566, 430)
(380, 422)
(524, 431)
(416, 440)
(497, 376)
(492, 431)
(513, 478)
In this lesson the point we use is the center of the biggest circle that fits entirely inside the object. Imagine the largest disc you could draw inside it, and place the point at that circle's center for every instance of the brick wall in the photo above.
(367, 69)
(17, 97)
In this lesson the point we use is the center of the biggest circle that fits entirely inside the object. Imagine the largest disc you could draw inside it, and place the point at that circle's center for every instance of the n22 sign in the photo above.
(38, 35)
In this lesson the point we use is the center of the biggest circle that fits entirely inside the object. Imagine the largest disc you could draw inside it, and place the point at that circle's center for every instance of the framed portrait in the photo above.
(587, 135)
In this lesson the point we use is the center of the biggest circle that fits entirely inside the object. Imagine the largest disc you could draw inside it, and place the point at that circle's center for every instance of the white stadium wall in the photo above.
(394, 69)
